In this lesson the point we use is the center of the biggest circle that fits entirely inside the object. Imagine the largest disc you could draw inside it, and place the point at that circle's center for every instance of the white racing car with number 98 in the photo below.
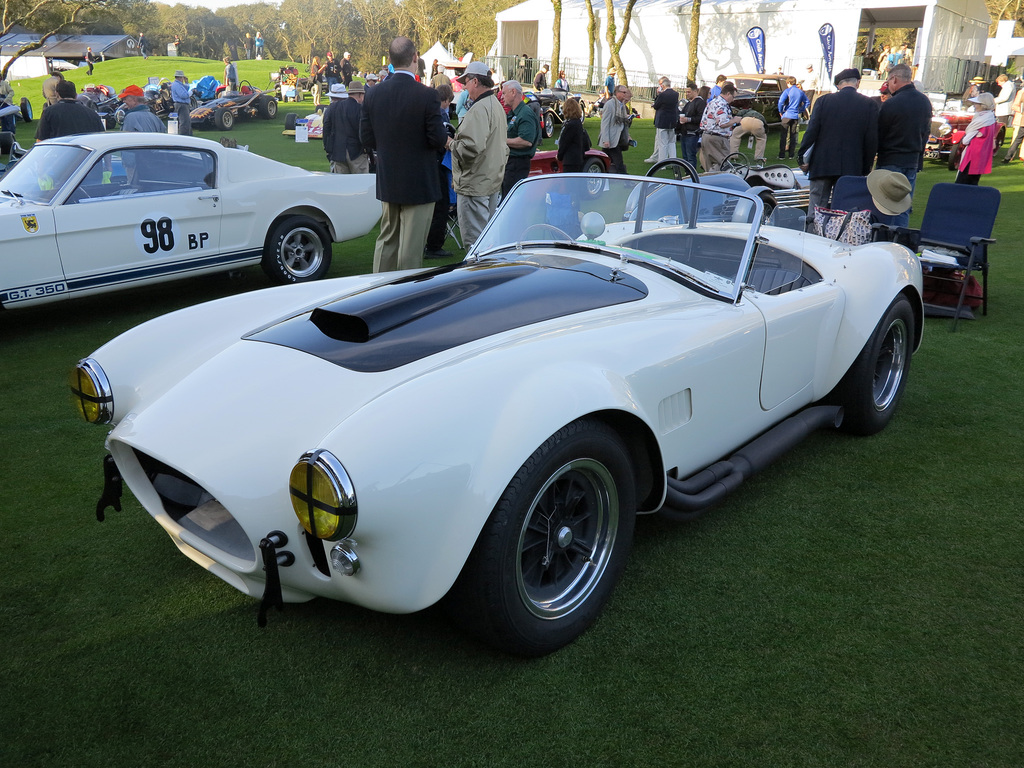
(103, 211)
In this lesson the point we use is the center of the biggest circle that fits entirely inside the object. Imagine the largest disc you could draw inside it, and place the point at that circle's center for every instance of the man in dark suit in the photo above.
(841, 137)
(401, 120)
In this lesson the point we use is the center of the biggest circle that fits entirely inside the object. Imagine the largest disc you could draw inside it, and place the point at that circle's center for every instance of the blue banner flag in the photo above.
(755, 36)
(828, 47)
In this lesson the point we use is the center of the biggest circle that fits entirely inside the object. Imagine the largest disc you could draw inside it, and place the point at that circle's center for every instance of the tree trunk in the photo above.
(591, 42)
(556, 32)
(691, 71)
(615, 40)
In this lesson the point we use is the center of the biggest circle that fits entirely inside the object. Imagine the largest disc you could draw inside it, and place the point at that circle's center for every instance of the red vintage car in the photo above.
(546, 161)
(948, 129)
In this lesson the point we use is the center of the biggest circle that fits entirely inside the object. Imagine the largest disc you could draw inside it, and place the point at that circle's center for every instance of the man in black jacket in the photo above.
(841, 139)
(689, 123)
(904, 123)
(341, 130)
(666, 118)
(68, 116)
(401, 120)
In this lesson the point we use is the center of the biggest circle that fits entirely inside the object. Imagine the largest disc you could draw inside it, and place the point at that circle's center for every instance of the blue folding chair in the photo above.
(958, 220)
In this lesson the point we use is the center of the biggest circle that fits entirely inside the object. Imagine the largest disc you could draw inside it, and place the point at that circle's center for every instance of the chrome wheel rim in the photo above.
(567, 539)
(302, 252)
(890, 364)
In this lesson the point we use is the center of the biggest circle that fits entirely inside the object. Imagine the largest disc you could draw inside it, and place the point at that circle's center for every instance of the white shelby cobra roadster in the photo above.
(99, 212)
(486, 433)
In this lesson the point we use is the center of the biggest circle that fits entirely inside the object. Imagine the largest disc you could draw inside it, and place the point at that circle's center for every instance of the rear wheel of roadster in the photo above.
(554, 546)
(870, 391)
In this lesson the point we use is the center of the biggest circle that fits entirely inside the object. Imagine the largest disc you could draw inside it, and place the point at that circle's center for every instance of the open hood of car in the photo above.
(392, 325)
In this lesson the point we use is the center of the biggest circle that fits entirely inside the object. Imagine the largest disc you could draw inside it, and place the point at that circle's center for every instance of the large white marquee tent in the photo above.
(659, 33)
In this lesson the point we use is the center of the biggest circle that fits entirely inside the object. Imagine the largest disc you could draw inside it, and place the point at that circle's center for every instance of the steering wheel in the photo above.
(677, 167)
(542, 225)
(736, 163)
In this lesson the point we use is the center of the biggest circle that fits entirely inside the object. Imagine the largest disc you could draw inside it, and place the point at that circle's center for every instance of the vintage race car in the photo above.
(103, 211)
(221, 113)
(485, 433)
(947, 132)
(550, 101)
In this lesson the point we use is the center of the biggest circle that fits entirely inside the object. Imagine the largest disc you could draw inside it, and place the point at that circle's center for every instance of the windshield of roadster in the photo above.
(702, 233)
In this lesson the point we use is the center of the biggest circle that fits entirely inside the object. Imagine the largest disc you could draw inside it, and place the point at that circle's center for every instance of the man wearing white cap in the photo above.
(182, 103)
(347, 69)
(341, 130)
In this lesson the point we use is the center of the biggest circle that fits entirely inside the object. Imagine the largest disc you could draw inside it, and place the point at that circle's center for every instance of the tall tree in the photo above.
(478, 29)
(556, 33)
(1005, 10)
(52, 16)
(691, 69)
(591, 42)
(615, 41)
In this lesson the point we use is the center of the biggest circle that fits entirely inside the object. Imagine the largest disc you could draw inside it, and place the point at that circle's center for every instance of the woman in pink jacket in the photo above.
(979, 141)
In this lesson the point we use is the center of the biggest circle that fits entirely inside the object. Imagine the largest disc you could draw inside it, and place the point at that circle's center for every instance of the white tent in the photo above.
(439, 52)
(659, 33)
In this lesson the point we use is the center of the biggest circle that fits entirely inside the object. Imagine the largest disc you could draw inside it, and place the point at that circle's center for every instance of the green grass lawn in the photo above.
(857, 605)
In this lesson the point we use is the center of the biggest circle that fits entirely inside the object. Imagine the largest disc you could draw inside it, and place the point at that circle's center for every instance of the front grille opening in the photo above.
(193, 508)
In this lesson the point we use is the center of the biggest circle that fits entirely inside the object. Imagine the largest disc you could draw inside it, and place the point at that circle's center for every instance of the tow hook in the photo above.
(272, 559)
(112, 488)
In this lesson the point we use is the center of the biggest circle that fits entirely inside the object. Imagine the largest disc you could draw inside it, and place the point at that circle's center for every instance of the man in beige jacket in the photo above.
(479, 152)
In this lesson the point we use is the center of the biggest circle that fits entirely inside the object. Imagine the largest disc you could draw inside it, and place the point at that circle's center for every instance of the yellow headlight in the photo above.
(323, 496)
(91, 392)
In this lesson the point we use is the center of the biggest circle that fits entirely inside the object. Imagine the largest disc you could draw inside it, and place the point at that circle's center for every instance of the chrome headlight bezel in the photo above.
(329, 519)
(93, 396)
(944, 129)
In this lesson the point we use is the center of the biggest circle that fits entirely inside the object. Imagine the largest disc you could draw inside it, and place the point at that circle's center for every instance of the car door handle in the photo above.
(215, 198)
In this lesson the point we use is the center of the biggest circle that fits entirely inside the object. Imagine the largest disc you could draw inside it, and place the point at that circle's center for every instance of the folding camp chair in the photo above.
(850, 193)
(452, 226)
(954, 237)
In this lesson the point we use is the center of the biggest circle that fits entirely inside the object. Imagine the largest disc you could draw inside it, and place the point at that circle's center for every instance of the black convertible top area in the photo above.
(391, 325)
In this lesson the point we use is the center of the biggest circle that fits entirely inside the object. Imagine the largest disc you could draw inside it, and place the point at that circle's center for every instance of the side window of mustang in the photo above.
(146, 171)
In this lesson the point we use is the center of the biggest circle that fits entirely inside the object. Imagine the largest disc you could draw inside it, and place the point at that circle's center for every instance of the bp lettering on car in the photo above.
(101, 212)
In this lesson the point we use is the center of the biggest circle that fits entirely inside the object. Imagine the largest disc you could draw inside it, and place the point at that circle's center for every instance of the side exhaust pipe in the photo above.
(688, 499)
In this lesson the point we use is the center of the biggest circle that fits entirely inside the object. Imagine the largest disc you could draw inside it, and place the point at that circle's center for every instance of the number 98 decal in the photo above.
(157, 235)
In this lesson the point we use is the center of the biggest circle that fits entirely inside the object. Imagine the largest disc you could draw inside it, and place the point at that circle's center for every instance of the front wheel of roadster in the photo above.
(554, 546)
(870, 391)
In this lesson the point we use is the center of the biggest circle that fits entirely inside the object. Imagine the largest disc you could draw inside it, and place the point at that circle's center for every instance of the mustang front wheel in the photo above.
(554, 546)
(298, 249)
(871, 390)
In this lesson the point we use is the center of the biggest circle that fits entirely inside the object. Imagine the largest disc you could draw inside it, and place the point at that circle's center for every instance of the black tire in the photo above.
(871, 390)
(6, 142)
(289, 121)
(554, 546)
(548, 124)
(267, 107)
(223, 118)
(26, 109)
(297, 250)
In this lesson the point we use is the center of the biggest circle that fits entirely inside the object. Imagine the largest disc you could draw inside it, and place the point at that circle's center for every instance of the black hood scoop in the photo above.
(391, 325)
